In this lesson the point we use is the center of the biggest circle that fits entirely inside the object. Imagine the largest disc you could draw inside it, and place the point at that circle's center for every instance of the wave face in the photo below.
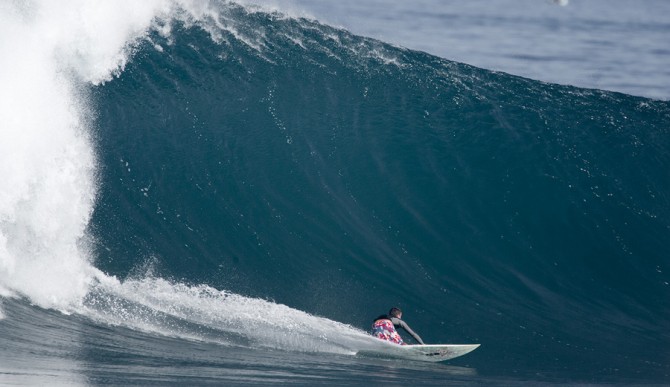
(302, 168)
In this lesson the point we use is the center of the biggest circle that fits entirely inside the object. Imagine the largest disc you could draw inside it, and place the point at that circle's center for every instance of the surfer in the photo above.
(384, 327)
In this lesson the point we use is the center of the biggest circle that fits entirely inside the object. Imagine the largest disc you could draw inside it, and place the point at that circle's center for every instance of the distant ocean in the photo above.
(216, 193)
(616, 45)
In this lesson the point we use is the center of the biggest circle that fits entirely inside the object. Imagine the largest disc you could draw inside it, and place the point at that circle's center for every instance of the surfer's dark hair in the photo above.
(395, 312)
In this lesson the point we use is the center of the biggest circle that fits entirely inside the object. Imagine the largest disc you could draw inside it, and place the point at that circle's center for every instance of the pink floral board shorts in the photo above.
(384, 329)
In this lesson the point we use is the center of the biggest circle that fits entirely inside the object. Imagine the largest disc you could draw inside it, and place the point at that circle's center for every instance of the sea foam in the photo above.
(49, 53)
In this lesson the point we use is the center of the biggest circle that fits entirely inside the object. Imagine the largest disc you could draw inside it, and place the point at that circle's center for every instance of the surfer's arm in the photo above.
(409, 330)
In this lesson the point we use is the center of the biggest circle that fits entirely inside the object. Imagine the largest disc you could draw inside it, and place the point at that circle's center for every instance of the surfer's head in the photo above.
(395, 312)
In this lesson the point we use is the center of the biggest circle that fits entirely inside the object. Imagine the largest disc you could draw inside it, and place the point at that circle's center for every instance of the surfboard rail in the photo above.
(420, 352)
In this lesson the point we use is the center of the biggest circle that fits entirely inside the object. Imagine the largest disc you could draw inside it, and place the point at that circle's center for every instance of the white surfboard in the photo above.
(427, 352)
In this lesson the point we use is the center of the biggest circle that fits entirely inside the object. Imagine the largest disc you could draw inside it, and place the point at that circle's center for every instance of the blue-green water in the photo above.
(255, 173)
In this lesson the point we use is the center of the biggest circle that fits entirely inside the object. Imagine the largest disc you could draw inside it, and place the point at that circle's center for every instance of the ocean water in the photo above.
(219, 193)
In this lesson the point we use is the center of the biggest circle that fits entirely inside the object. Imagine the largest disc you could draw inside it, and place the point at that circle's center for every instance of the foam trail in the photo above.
(201, 312)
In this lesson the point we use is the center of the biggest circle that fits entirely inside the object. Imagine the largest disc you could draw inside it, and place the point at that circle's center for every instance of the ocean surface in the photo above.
(209, 192)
